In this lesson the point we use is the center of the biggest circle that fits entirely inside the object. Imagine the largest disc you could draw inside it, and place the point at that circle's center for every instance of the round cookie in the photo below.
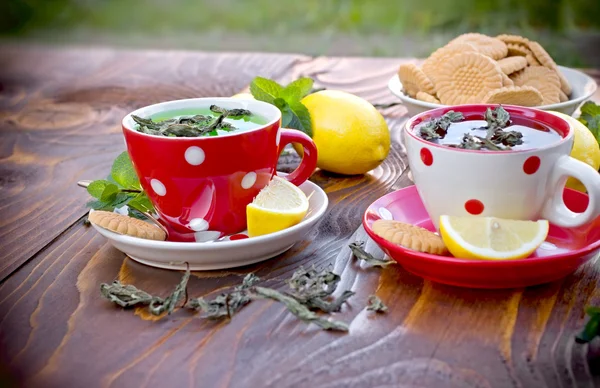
(491, 47)
(531, 60)
(432, 65)
(514, 95)
(414, 80)
(543, 79)
(515, 49)
(563, 97)
(410, 236)
(126, 225)
(427, 98)
(565, 87)
(467, 78)
(513, 39)
(509, 65)
(541, 55)
(506, 81)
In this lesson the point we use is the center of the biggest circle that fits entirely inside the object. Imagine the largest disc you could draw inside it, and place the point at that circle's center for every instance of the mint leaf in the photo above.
(590, 117)
(291, 94)
(286, 112)
(300, 118)
(98, 205)
(123, 173)
(96, 188)
(109, 193)
(303, 85)
(141, 203)
(264, 89)
(118, 200)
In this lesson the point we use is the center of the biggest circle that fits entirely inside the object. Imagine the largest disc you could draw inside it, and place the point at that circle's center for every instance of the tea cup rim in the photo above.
(535, 114)
(127, 122)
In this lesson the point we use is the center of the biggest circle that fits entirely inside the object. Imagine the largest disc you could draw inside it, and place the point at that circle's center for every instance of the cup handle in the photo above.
(309, 158)
(555, 209)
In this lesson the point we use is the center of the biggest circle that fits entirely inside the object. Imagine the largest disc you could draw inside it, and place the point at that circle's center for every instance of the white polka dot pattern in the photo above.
(249, 180)
(198, 225)
(158, 187)
(194, 155)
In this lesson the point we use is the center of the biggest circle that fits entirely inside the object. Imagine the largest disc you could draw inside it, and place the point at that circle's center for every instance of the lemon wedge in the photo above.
(277, 206)
(491, 238)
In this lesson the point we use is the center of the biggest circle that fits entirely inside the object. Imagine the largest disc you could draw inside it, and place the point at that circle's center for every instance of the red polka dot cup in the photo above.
(200, 186)
(524, 184)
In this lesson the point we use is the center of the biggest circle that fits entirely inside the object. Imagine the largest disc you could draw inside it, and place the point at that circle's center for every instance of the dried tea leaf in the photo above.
(230, 112)
(168, 304)
(125, 295)
(183, 130)
(507, 138)
(375, 304)
(498, 118)
(225, 304)
(299, 310)
(192, 126)
(437, 128)
(357, 249)
(314, 289)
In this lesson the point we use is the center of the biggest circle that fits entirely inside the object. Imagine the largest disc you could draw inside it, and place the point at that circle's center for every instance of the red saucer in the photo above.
(562, 253)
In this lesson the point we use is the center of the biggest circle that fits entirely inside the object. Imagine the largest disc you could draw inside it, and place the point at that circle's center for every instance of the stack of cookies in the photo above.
(474, 68)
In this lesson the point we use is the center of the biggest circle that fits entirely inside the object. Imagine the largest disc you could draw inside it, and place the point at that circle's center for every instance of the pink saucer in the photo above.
(562, 253)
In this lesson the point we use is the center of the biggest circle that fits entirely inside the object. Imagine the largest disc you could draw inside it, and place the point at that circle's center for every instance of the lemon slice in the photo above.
(491, 238)
(277, 206)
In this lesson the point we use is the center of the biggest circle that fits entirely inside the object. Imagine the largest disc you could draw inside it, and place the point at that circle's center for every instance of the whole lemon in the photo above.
(585, 148)
(351, 136)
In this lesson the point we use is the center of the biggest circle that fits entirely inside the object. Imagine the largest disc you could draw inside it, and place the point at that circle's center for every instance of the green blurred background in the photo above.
(570, 30)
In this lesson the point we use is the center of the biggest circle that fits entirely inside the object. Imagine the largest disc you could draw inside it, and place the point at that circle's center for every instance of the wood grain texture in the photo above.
(60, 114)
(56, 331)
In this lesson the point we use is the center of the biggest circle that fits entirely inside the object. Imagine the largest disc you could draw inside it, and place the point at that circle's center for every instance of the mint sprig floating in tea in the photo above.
(287, 99)
(122, 187)
(357, 248)
(438, 127)
(496, 138)
(375, 304)
(497, 120)
(192, 126)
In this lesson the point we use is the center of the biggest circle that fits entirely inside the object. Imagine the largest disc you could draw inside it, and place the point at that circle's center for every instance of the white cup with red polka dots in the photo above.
(200, 186)
(524, 184)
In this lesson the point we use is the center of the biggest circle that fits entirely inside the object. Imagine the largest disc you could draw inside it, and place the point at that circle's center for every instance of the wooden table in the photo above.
(59, 121)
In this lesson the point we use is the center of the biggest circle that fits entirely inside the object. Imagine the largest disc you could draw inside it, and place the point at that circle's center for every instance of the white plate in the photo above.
(221, 254)
(583, 87)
